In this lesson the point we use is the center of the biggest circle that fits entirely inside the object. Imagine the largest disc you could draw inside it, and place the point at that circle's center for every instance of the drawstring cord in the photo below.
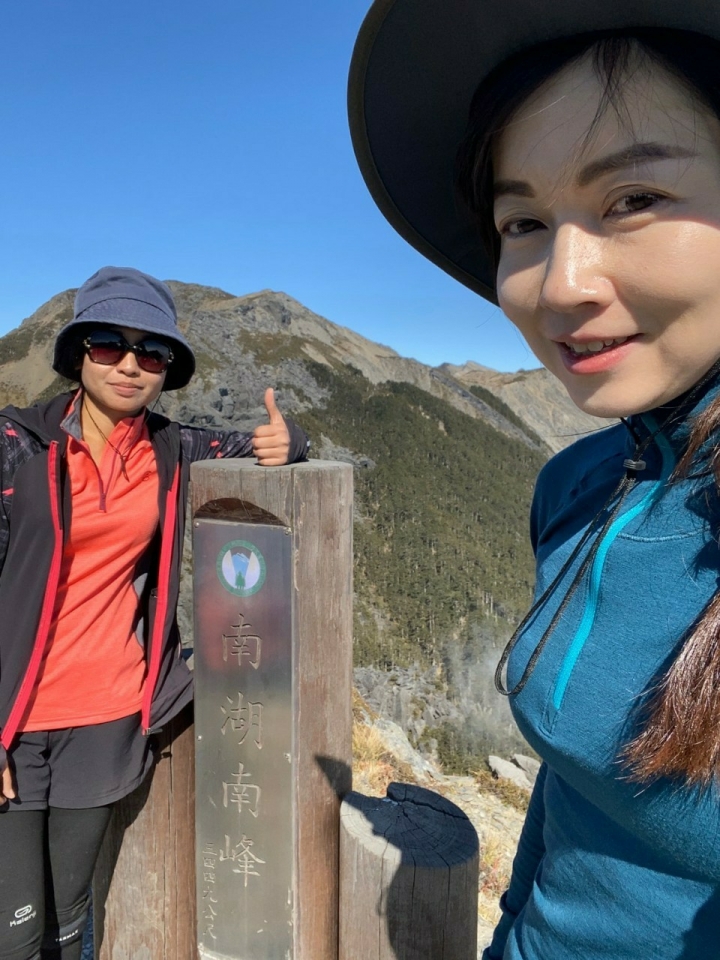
(621, 492)
(632, 467)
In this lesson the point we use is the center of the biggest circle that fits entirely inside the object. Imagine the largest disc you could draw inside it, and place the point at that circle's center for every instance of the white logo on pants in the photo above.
(23, 914)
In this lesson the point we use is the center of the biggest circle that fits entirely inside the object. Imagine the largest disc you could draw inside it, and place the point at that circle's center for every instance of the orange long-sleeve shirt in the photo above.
(93, 668)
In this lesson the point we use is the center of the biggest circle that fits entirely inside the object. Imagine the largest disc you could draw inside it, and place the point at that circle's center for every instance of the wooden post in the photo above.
(408, 877)
(144, 884)
(303, 513)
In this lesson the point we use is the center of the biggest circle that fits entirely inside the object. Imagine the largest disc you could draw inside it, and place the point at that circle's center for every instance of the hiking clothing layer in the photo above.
(35, 512)
(79, 767)
(607, 868)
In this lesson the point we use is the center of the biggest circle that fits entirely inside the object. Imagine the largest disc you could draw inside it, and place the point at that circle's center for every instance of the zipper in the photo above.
(48, 605)
(158, 632)
(587, 620)
(102, 506)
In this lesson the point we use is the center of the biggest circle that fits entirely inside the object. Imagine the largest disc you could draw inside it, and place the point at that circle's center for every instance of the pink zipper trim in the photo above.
(158, 634)
(28, 683)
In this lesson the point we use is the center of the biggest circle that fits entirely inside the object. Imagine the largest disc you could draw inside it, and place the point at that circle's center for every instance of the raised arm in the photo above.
(278, 442)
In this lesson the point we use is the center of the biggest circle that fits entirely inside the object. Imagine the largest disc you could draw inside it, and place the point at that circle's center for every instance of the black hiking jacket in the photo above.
(35, 510)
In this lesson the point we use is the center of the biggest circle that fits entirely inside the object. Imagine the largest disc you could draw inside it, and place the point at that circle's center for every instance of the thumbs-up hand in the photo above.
(271, 442)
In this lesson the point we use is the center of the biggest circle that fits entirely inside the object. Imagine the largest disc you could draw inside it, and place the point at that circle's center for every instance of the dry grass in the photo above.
(494, 867)
(513, 796)
(374, 768)
(361, 709)
(368, 745)
(496, 857)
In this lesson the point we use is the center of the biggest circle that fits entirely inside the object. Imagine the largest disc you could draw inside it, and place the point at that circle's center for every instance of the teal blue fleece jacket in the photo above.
(605, 869)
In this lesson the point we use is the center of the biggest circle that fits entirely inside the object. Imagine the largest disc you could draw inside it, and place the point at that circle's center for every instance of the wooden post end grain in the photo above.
(408, 877)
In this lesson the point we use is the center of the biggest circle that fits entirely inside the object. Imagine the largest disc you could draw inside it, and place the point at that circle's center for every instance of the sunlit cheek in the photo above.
(88, 374)
(518, 299)
(684, 353)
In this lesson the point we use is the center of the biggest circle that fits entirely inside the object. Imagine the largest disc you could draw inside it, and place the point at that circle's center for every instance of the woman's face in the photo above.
(610, 246)
(121, 389)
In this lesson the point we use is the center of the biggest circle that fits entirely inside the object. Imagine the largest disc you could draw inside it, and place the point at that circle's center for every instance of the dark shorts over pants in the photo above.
(80, 766)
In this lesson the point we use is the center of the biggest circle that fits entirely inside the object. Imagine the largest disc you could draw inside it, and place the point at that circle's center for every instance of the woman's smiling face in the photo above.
(610, 240)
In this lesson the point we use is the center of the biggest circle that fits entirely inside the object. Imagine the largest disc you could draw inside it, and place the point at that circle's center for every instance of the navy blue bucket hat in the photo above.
(125, 297)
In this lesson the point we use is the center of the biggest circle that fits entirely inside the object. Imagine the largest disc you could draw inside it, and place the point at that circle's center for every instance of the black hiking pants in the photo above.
(47, 859)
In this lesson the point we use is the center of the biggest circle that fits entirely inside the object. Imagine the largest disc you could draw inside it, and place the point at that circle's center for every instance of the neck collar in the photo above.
(129, 429)
(667, 428)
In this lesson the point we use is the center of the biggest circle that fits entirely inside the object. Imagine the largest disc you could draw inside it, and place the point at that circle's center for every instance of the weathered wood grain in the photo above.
(322, 530)
(408, 878)
(144, 884)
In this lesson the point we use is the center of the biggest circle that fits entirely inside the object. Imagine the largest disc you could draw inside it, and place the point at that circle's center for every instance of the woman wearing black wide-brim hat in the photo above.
(92, 507)
(562, 159)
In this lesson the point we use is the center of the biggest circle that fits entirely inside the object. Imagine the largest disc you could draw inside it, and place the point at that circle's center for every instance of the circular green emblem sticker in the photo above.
(241, 568)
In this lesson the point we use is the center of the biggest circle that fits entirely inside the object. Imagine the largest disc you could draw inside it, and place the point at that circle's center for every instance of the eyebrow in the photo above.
(627, 157)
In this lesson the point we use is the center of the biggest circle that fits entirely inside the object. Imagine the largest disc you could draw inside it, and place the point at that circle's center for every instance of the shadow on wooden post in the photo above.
(408, 877)
(144, 884)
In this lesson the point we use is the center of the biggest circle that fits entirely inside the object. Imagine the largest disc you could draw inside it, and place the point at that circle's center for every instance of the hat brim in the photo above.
(415, 68)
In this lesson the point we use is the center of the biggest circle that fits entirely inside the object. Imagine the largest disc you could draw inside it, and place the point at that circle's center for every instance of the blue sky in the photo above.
(207, 142)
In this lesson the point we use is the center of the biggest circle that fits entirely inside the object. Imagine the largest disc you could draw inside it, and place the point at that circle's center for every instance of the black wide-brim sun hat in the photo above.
(124, 297)
(415, 68)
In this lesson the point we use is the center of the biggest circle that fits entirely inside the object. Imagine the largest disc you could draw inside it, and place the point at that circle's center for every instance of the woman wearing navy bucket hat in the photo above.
(562, 159)
(93, 489)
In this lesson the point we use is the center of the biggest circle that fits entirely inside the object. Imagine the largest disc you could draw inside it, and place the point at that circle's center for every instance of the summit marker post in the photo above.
(272, 556)
(250, 871)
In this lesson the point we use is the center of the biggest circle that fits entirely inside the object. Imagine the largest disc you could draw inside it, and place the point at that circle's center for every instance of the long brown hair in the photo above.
(680, 721)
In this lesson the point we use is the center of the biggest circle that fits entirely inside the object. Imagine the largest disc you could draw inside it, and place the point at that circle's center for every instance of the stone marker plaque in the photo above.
(244, 749)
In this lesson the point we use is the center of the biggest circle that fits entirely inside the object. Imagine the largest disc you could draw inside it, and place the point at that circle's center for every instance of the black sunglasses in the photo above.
(108, 348)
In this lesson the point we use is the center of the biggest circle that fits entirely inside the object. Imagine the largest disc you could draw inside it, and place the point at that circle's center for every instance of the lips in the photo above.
(595, 356)
(126, 389)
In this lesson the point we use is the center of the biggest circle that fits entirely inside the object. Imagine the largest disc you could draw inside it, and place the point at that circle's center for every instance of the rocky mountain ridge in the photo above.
(536, 397)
